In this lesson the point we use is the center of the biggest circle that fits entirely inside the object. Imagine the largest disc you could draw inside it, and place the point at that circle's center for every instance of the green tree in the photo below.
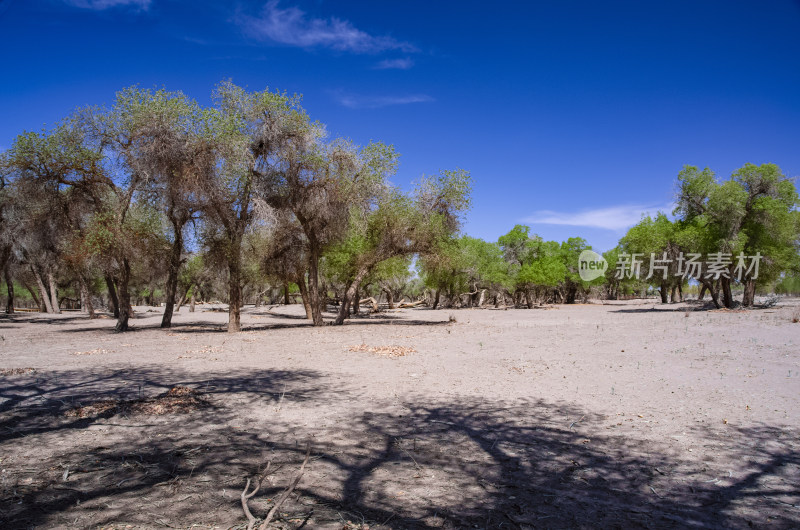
(753, 212)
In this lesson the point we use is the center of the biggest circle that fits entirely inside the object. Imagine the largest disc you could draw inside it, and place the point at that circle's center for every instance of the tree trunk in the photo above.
(192, 300)
(112, 293)
(313, 285)
(727, 296)
(53, 293)
(172, 275)
(354, 301)
(436, 298)
(528, 299)
(32, 292)
(301, 283)
(664, 293)
(234, 294)
(182, 300)
(86, 297)
(572, 292)
(10, 289)
(43, 296)
(389, 298)
(713, 291)
(350, 297)
(703, 290)
(124, 297)
(749, 292)
(286, 300)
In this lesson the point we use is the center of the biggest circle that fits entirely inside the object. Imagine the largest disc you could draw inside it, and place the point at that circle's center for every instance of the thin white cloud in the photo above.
(396, 64)
(613, 218)
(353, 101)
(293, 27)
(99, 5)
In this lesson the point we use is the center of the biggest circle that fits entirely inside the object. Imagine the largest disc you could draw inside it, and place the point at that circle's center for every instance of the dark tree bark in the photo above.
(124, 297)
(713, 290)
(703, 289)
(350, 297)
(301, 283)
(234, 294)
(528, 299)
(749, 292)
(436, 298)
(112, 294)
(286, 300)
(664, 293)
(572, 293)
(172, 275)
(9, 288)
(354, 301)
(727, 295)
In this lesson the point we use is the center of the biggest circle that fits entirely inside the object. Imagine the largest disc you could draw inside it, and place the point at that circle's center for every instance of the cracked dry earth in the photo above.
(616, 415)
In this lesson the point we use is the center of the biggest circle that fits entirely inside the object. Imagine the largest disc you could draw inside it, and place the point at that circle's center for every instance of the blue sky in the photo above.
(573, 117)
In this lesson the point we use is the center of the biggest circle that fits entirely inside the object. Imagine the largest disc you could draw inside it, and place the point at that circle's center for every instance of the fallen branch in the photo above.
(412, 304)
(251, 520)
(371, 301)
(288, 491)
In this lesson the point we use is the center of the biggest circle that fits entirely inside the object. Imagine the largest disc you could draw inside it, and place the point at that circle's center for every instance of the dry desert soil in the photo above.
(615, 415)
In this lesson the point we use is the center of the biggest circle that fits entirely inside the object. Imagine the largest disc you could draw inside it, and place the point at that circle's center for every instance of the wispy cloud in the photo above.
(397, 64)
(99, 5)
(293, 27)
(353, 101)
(613, 218)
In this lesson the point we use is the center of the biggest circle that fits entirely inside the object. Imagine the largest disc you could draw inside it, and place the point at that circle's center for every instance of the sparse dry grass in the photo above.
(391, 352)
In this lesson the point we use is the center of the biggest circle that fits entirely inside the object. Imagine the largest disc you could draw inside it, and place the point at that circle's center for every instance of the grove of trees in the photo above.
(158, 199)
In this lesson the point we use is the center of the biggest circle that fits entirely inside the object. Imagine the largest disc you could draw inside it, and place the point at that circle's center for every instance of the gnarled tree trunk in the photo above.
(234, 294)
(124, 297)
(350, 297)
(749, 292)
(727, 295)
(86, 297)
(43, 296)
(389, 297)
(53, 293)
(112, 294)
(528, 299)
(9, 289)
(301, 283)
(172, 275)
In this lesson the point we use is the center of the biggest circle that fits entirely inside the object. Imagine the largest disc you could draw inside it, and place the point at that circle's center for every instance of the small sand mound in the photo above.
(392, 352)
(178, 400)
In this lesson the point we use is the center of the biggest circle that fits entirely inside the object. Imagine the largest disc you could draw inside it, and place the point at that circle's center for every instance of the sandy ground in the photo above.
(624, 415)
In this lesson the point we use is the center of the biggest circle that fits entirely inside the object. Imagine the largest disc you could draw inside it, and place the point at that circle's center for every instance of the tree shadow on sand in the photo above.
(453, 463)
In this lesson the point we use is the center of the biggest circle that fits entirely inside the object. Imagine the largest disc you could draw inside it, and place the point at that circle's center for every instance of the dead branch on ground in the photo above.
(247, 495)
